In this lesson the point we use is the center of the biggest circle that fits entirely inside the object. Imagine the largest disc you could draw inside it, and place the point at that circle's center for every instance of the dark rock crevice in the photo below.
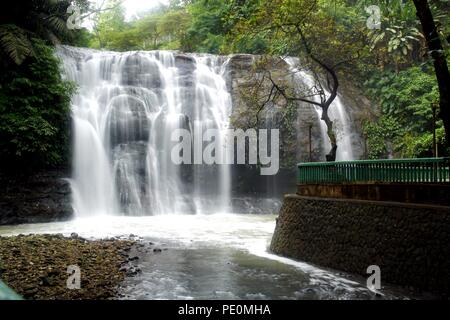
(37, 198)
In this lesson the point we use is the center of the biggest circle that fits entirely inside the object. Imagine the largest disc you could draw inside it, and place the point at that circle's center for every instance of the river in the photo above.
(218, 256)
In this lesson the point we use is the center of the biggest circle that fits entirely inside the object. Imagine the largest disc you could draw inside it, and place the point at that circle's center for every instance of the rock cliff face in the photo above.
(247, 71)
(41, 197)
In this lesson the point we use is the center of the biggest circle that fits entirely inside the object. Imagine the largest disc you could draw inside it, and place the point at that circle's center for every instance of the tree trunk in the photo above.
(333, 86)
(331, 156)
(440, 63)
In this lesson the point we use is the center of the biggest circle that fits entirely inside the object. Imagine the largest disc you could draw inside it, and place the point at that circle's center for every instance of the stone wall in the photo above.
(410, 243)
(41, 197)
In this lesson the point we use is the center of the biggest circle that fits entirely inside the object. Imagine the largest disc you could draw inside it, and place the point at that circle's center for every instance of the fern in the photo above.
(42, 19)
(15, 43)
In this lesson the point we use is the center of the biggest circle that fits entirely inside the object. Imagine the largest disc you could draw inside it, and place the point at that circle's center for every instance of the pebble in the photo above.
(35, 266)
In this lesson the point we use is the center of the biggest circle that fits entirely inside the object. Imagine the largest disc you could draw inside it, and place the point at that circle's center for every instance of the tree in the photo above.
(23, 20)
(439, 60)
(207, 29)
(150, 31)
(108, 22)
(306, 29)
(173, 26)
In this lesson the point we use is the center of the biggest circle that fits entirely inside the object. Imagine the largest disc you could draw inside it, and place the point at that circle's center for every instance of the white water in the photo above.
(337, 113)
(126, 109)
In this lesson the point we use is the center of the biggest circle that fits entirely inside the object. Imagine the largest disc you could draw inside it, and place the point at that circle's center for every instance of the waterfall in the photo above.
(124, 113)
(337, 113)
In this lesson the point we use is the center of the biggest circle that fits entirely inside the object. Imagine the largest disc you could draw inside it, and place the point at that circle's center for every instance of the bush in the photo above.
(34, 113)
(404, 128)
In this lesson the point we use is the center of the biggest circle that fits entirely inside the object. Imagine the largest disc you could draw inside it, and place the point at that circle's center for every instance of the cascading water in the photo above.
(127, 107)
(337, 114)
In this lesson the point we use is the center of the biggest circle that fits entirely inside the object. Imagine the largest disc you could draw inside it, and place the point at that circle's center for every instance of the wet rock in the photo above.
(47, 282)
(133, 271)
(42, 197)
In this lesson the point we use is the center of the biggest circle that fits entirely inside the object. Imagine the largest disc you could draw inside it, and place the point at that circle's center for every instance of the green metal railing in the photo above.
(427, 170)
(8, 294)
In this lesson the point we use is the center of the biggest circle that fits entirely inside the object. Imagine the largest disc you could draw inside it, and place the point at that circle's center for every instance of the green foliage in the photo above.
(14, 43)
(208, 26)
(250, 44)
(164, 28)
(381, 137)
(190, 26)
(23, 20)
(34, 112)
(406, 119)
(34, 101)
(109, 25)
(398, 39)
(406, 96)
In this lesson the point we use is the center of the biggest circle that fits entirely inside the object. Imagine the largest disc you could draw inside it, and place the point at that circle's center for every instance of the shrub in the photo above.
(34, 113)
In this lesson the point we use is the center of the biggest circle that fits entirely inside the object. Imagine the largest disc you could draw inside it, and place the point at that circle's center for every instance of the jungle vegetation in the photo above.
(401, 64)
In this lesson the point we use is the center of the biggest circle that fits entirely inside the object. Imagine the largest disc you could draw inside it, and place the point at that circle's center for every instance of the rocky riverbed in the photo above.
(36, 266)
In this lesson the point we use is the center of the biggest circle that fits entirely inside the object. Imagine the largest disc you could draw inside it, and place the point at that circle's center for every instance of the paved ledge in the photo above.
(424, 193)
